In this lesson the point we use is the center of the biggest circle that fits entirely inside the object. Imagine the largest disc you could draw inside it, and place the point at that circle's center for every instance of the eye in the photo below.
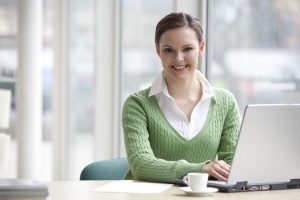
(168, 50)
(188, 49)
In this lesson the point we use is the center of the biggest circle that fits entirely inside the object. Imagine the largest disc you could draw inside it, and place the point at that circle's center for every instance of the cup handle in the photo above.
(185, 180)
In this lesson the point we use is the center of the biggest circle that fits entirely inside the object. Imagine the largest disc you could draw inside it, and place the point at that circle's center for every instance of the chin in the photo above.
(183, 75)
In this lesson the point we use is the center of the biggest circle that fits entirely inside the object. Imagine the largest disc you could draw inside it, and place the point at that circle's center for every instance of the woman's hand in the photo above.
(217, 169)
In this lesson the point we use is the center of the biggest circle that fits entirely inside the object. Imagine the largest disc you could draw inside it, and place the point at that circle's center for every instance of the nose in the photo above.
(179, 56)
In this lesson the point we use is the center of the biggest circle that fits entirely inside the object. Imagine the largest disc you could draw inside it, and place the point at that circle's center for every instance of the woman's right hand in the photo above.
(217, 169)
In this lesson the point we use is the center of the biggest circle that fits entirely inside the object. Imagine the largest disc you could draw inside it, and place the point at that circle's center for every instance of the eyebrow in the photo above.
(184, 46)
(164, 46)
(189, 45)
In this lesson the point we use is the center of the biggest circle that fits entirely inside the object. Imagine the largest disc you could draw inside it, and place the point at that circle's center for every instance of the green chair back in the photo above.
(114, 169)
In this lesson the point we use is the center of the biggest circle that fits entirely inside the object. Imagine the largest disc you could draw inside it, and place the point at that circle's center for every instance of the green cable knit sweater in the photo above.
(157, 152)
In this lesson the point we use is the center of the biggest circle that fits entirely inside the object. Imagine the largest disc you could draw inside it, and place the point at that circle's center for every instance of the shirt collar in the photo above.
(159, 86)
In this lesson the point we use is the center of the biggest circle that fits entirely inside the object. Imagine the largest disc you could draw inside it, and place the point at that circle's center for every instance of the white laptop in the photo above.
(267, 155)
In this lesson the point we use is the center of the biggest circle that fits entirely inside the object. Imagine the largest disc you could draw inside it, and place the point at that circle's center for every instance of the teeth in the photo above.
(179, 67)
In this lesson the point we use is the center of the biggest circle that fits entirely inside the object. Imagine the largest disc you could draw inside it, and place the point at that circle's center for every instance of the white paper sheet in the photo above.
(129, 186)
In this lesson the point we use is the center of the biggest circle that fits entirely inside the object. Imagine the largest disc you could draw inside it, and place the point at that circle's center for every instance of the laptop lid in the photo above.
(269, 145)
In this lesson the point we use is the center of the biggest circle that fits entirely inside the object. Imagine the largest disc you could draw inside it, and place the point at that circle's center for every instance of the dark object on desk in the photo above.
(114, 169)
(22, 187)
(267, 153)
(180, 182)
(245, 187)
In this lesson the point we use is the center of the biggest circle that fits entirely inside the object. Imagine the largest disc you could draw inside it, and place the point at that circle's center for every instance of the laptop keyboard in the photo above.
(217, 182)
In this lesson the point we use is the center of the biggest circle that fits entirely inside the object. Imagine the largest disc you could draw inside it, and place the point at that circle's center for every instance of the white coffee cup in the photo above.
(196, 181)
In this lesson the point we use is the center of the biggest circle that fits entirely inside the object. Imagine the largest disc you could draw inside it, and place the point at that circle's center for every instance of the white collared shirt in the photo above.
(175, 116)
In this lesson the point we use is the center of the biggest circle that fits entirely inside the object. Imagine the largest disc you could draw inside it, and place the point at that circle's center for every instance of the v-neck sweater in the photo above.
(157, 152)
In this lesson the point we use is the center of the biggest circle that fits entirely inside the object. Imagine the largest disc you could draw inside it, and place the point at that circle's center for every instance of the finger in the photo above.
(221, 171)
(218, 176)
(225, 166)
(215, 170)
(222, 178)
(221, 165)
(222, 161)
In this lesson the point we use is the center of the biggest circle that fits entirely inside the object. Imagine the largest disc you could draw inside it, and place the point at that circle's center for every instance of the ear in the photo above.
(157, 50)
(201, 47)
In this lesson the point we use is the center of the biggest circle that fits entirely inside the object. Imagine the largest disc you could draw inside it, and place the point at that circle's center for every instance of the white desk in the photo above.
(82, 190)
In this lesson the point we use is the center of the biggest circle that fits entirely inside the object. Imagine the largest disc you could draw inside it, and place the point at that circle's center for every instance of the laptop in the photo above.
(267, 155)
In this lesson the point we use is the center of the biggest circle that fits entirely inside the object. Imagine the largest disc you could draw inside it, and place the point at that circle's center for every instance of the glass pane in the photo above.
(47, 83)
(256, 48)
(140, 63)
(81, 85)
(8, 49)
(8, 71)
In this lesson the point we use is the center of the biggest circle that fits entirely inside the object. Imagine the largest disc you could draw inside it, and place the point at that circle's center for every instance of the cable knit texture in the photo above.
(157, 152)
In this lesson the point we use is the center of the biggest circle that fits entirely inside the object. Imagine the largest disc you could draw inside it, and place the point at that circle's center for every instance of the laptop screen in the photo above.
(269, 144)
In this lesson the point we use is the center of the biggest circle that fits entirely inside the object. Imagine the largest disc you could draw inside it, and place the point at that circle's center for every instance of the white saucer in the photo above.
(207, 191)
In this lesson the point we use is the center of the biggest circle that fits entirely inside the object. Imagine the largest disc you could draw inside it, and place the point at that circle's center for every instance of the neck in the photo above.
(186, 89)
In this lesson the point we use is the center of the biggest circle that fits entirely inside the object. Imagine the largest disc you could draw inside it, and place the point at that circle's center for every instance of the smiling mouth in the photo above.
(180, 67)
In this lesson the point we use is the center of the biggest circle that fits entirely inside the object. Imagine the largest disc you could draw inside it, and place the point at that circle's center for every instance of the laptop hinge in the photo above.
(239, 186)
(278, 186)
(294, 183)
(243, 186)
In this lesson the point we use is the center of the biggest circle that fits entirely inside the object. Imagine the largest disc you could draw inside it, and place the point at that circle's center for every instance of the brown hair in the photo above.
(177, 20)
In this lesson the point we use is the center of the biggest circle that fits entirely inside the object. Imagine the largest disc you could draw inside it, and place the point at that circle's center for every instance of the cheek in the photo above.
(193, 57)
(165, 59)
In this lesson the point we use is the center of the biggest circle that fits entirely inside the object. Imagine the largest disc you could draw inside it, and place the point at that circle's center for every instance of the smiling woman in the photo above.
(179, 51)
(181, 123)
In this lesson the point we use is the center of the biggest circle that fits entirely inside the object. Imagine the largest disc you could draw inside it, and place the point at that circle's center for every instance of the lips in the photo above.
(179, 67)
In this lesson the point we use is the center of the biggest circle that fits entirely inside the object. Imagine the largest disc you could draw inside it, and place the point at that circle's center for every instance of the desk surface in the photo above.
(79, 190)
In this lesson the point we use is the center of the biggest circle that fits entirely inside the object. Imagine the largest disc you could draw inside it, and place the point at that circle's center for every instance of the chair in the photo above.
(114, 169)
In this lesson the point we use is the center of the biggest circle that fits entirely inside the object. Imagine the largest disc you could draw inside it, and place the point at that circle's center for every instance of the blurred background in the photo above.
(95, 53)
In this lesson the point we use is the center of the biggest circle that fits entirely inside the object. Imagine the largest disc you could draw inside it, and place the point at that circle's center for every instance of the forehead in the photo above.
(179, 36)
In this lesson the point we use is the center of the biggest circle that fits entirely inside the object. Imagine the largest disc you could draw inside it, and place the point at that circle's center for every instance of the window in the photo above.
(8, 52)
(140, 64)
(80, 86)
(254, 46)
(80, 81)
(8, 79)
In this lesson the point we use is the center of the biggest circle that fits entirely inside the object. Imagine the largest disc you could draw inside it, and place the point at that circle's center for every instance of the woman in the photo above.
(181, 123)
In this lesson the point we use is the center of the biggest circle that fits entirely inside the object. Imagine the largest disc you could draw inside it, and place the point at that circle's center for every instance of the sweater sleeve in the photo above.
(230, 131)
(142, 161)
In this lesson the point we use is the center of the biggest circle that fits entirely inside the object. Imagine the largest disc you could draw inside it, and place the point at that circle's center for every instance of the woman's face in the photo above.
(179, 51)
